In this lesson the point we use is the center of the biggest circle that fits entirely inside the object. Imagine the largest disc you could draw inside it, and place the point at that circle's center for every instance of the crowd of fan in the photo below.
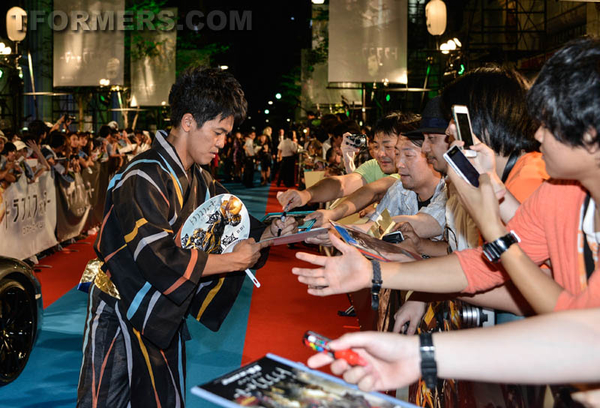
(316, 144)
(40, 148)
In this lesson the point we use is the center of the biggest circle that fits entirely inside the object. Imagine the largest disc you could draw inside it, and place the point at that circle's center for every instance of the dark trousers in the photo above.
(287, 169)
(248, 179)
(121, 368)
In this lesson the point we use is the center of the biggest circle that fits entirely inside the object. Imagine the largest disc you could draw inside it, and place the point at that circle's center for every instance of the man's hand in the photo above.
(322, 218)
(246, 253)
(293, 198)
(367, 211)
(393, 361)
(481, 203)
(289, 226)
(410, 236)
(340, 274)
(410, 312)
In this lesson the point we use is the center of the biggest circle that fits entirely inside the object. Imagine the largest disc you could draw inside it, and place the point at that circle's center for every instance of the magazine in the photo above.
(305, 228)
(297, 237)
(369, 246)
(274, 382)
(303, 225)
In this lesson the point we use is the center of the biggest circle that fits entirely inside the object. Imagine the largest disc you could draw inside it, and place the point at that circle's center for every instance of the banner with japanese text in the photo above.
(28, 217)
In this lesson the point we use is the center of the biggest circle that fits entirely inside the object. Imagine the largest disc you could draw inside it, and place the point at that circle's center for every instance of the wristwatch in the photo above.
(493, 250)
(376, 284)
(428, 364)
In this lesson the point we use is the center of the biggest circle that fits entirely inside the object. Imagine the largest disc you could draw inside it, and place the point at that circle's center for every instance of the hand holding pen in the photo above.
(282, 219)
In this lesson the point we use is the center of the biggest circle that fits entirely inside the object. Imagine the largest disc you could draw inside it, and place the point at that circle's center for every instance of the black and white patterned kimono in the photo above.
(134, 345)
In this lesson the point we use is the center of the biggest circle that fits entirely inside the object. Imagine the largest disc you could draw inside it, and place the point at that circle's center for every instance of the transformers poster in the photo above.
(216, 225)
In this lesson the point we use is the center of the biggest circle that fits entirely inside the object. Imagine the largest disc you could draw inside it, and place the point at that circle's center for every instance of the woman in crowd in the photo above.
(264, 155)
(287, 156)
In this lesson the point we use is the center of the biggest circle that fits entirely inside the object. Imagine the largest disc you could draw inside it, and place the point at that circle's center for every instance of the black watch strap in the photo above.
(428, 364)
(376, 287)
(493, 250)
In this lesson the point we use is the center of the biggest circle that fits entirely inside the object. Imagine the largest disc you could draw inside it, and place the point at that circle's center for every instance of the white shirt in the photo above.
(401, 201)
(461, 231)
(287, 147)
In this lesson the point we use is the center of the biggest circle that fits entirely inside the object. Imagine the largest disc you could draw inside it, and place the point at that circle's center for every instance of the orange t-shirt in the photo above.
(548, 225)
(526, 176)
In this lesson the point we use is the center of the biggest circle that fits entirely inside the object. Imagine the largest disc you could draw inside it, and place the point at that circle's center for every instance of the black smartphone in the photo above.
(394, 237)
(462, 166)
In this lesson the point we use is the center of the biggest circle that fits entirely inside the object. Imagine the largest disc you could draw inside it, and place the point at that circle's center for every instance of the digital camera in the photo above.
(357, 141)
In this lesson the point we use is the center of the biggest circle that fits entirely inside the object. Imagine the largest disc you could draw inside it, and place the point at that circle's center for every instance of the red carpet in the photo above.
(67, 267)
(281, 310)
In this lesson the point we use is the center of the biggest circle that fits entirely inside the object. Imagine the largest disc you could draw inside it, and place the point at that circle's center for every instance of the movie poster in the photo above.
(216, 225)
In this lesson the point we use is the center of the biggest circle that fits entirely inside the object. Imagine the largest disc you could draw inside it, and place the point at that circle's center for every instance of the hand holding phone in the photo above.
(394, 237)
(462, 166)
(464, 131)
(320, 343)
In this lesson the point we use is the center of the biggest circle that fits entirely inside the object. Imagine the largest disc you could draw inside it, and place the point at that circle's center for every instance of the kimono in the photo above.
(134, 344)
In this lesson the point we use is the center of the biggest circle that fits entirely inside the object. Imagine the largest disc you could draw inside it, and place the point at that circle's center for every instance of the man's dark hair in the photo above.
(329, 153)
(104, 131)
(397, 123)
(37, 128)
(9, 147)
(565, 97)
(339, 130)
(496, 98)
(56, 139)
(206, 93)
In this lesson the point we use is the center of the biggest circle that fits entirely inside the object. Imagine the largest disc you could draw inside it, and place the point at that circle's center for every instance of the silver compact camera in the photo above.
(357, 141)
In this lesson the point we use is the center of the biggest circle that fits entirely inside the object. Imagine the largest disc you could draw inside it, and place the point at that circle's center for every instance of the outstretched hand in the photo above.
(340, 274)
(392, 360)
(293, 199)
(321, 218)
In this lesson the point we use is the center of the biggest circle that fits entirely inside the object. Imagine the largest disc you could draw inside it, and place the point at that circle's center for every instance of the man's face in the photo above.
(337, 141)
(384, 151)
(564, 161)
(434, 147)
(412, 164)
(204, 143)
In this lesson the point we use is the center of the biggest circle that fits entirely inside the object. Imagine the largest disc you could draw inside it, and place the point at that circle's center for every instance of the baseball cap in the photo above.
(113, 124)
(432, 119)
(19, 145)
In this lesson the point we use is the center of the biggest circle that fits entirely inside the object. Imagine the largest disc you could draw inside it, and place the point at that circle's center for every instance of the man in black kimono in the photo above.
(135, 333)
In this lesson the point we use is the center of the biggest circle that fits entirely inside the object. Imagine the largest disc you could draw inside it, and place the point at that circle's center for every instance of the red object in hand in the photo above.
(350, 356)
(320, 343)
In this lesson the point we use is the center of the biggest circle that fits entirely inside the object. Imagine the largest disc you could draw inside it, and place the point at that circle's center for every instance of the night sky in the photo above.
(258, 57)
(261, 56)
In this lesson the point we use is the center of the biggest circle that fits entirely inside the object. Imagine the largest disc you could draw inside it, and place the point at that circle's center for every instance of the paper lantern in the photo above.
(16, 24)
(435, 14)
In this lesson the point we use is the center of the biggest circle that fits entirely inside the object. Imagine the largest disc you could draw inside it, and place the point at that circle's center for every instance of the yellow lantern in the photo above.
(16, 24)
(435, 14)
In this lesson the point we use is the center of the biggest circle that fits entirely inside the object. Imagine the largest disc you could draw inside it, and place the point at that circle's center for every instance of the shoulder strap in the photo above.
(587, 252)
(512, 159)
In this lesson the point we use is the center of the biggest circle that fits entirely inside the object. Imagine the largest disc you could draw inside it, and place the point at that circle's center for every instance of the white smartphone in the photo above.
(464, 131)
(462, 166)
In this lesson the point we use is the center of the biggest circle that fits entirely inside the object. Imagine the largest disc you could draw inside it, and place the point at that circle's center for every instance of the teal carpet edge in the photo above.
(51, 375)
